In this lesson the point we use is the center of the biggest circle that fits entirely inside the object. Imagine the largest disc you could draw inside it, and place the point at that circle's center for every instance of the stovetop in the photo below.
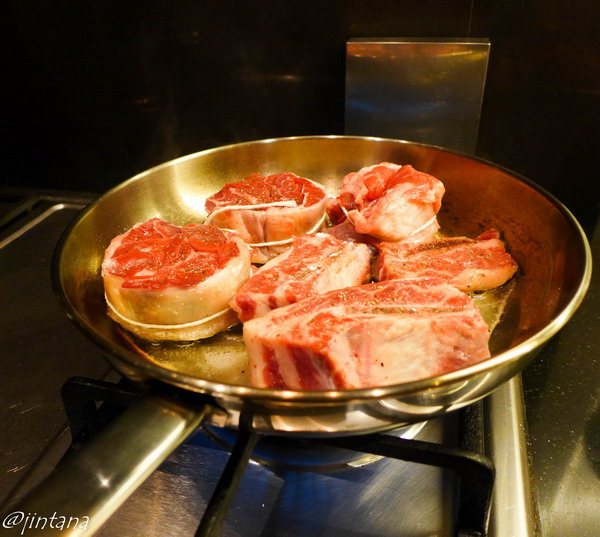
(546, 452)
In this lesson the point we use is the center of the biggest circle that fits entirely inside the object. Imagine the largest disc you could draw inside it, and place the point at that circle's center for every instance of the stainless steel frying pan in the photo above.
(542, 235)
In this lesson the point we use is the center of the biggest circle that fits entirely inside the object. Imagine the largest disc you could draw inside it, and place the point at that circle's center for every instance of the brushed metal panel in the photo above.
(421, 90)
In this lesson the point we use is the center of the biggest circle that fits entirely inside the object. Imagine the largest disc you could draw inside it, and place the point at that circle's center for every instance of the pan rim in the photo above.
(224, 390)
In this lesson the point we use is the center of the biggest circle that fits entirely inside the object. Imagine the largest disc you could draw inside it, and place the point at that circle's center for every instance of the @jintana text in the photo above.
(34, 521)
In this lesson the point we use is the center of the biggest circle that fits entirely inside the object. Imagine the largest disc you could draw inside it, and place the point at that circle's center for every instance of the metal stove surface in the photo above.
(40, 350)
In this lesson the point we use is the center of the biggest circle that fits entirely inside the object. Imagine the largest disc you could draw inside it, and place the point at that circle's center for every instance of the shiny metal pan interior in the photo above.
(541, 234)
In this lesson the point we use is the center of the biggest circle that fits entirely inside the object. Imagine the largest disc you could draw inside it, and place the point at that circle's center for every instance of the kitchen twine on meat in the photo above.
(284, 203)
(316, 227)
(424, 226)
(165, 326)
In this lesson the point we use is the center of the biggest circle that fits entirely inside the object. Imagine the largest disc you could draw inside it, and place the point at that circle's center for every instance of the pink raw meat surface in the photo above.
(467, 264)
(390, 202)
(375, 334)
(345, 232)
(259, 225)
(164, 275)
(314, 264)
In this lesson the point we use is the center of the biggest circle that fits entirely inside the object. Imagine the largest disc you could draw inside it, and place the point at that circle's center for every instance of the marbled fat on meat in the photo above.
(468, 264)
(390, 202)
(164, 275)
(375, 334)
(345, 232)
(315, 264)
(306, 202)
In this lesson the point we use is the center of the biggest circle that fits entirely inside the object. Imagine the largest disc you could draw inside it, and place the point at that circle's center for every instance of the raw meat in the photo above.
(268, 211)
(467, 264)
(375, 334)
(314, 264)
(390, 202)
(167, 282)
(346, 232)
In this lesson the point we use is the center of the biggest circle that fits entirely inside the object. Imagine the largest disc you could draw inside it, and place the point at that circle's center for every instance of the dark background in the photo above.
(97, 91)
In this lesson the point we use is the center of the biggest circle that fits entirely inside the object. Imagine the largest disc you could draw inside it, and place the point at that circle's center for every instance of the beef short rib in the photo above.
(315, 263)
(375, 334)
(467, 264)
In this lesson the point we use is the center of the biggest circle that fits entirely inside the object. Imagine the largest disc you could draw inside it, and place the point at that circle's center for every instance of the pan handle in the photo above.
(91, 484)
